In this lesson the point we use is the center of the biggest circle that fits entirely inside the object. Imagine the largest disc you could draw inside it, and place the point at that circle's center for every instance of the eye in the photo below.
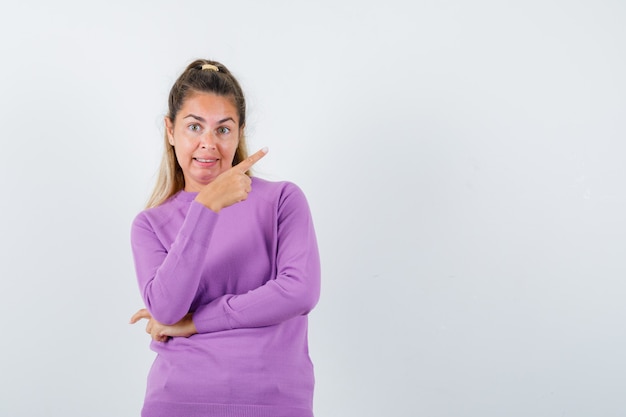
(223, 130)
(195, 127)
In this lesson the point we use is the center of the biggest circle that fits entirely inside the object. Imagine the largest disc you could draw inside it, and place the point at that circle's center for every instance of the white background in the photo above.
(464, 162)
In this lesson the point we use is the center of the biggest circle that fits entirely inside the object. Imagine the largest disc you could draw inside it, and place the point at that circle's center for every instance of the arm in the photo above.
(169, 279)
(293, 292)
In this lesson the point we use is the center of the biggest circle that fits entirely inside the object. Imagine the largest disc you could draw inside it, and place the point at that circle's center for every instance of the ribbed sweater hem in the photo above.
(162, 409)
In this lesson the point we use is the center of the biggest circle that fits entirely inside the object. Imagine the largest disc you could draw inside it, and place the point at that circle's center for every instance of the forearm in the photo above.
(275, 302)
(169, 277)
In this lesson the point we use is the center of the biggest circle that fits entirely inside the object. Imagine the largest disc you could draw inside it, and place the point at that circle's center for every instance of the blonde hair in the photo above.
(200, 76)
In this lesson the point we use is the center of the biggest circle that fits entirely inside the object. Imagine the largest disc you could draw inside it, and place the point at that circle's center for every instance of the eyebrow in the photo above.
(201, 119)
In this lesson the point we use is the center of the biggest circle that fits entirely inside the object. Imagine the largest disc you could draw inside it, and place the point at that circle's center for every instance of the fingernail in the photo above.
(265, 149)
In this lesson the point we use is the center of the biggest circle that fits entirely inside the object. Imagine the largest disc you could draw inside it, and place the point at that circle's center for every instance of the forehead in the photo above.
(209, 106)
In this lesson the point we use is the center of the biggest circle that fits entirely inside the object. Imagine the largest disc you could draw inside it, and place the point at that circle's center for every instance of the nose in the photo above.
(207, 141)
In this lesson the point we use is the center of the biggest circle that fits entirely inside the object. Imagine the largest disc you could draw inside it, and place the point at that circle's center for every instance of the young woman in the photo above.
(227, 266)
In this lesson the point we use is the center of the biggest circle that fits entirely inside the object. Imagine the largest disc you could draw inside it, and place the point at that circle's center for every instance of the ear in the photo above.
(169, 130)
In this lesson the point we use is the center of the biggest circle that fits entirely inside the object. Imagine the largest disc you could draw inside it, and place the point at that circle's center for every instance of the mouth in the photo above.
(205, 161)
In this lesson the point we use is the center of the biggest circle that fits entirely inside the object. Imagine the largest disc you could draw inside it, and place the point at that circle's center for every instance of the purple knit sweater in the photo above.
(250, 275)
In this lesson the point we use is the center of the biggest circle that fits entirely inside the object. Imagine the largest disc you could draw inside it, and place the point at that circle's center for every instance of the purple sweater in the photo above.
(250, 275)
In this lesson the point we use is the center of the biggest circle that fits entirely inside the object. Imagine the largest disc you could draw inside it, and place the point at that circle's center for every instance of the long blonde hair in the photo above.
(200, 76)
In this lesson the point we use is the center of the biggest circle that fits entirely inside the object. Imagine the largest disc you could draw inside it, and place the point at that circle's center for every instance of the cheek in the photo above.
(181, 149)
(228, 149)
(183, 141)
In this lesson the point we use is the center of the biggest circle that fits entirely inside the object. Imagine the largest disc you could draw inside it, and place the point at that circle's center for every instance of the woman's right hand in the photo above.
(231, 186)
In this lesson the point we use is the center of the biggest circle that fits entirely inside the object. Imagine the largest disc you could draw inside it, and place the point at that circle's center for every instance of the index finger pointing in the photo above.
(247, 163)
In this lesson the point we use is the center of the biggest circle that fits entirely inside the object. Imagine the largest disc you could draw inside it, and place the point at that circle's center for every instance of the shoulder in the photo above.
(284, 196)
(158, 216)
(269, 186)
(275, 190)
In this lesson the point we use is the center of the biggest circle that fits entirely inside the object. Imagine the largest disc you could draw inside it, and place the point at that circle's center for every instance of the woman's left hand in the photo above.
(162, 332)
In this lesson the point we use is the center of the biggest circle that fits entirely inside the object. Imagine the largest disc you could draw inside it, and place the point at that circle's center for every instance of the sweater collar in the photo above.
(185, 196)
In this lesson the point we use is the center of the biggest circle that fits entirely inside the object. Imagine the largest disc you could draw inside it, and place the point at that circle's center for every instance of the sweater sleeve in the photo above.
(169, 278)
(293, 292)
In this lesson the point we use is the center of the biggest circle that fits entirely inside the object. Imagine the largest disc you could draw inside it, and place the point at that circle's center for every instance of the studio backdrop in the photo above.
(464, 163)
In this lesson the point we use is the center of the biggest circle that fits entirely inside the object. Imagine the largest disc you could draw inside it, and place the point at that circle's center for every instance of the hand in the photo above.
(231, 186)
(161, 332)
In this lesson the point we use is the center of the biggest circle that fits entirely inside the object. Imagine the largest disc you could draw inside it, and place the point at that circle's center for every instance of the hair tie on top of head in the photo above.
(210, 67)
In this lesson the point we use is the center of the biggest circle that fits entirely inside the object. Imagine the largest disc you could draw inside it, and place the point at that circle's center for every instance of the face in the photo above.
(205, 135)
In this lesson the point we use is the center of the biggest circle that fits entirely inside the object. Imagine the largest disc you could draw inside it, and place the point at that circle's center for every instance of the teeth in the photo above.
(205, 160)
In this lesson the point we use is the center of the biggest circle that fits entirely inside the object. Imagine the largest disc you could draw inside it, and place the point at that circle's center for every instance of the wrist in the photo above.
(211, 204)
(191, 326)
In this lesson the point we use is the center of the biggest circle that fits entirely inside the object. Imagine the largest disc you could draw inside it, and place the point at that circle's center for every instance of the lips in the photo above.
(205, 161)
